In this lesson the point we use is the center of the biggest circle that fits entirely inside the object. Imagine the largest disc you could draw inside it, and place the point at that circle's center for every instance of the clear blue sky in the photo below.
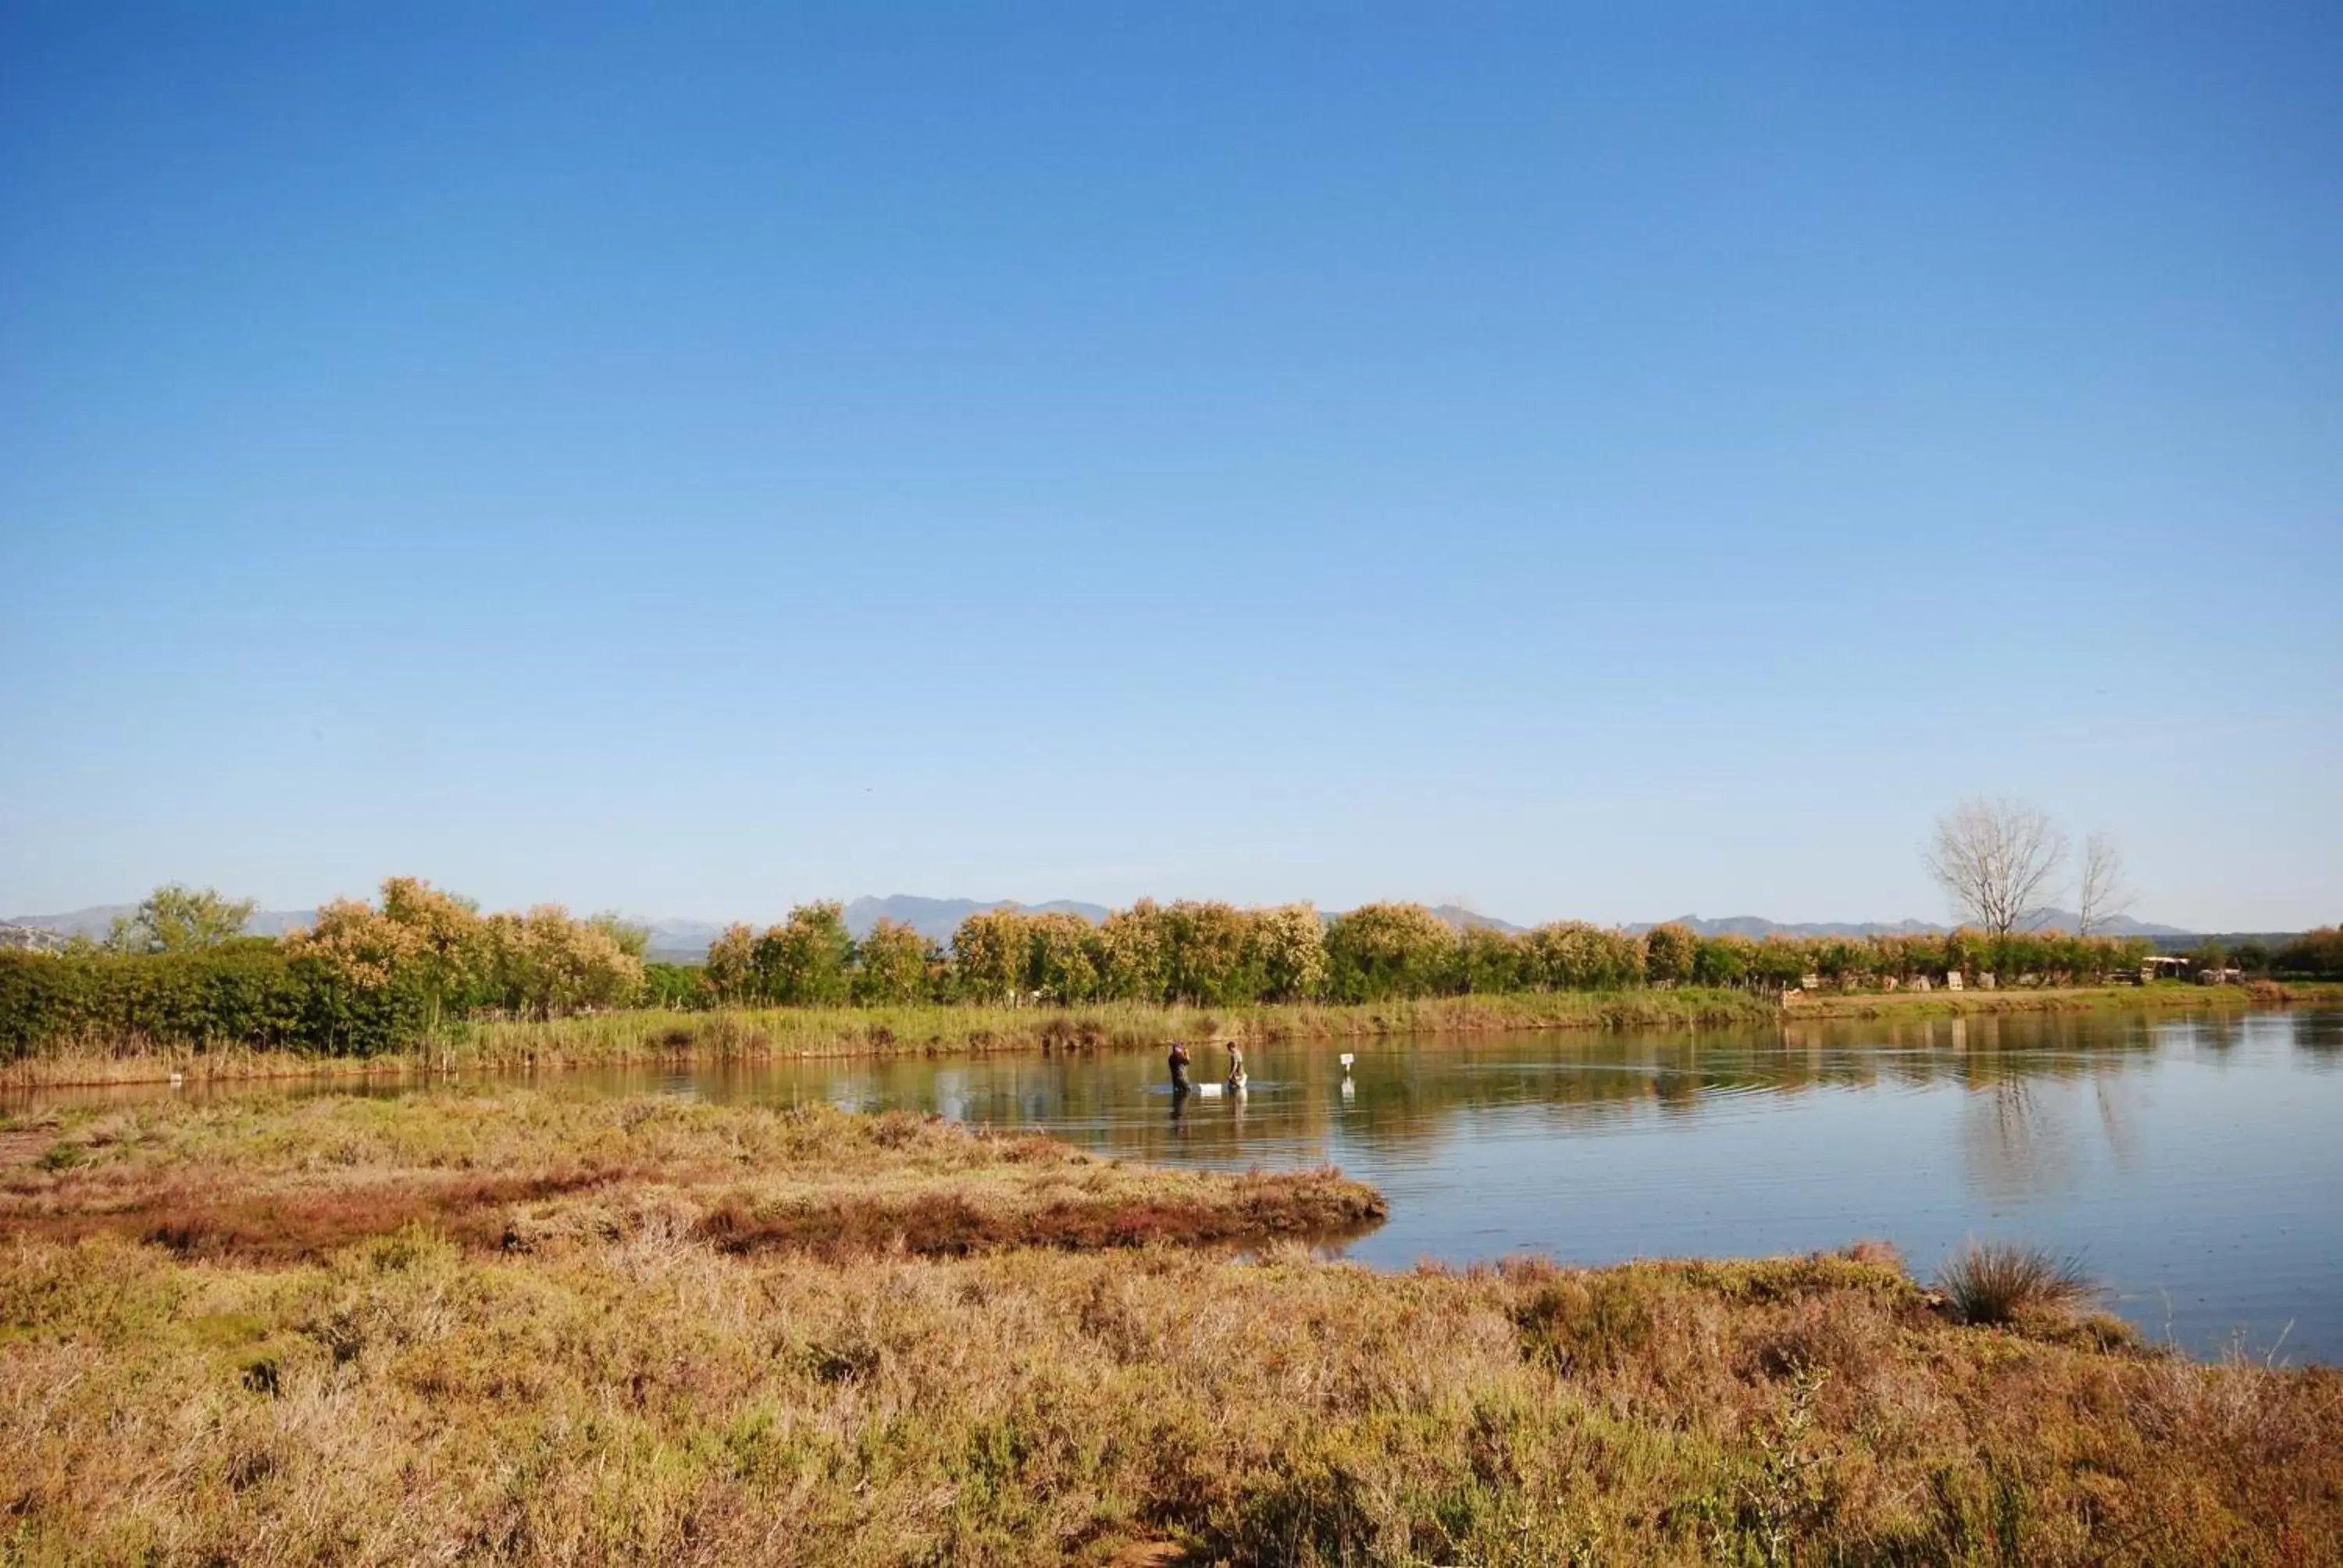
(1608, 460)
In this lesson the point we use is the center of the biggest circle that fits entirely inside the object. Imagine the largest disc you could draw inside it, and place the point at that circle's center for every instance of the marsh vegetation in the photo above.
(594, 1373)
(425, 969)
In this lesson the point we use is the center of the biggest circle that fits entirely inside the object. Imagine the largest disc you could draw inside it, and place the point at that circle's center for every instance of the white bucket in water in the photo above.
(1209, 1091)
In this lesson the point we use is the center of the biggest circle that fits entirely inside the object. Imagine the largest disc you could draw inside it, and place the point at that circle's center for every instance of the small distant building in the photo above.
(1952, 979)
(2163, 966)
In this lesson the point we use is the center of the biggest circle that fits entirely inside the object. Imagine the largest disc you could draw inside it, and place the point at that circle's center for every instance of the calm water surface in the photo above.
(2195, 1163)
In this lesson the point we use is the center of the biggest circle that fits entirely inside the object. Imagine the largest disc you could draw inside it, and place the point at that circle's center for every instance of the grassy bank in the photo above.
(263, 1180)
(595, 1373)
(742, 1034)
(2175, 996)
(764, 1034)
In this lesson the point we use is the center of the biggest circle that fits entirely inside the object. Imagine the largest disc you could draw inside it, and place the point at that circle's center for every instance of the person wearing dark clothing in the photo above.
(1179, 1067)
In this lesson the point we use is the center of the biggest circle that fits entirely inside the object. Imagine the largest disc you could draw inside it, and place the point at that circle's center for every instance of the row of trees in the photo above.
(373, 977)
(436, 945)
(457, 961)
(1215, 954)
(440, 960)
(2313, 955)
(366, 978)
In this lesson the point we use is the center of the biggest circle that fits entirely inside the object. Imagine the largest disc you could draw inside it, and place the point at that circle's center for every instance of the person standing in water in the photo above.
(1179, 1067)
(1236, 1069)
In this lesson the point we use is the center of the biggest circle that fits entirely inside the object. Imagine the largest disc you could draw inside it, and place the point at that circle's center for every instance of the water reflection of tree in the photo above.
(2220, 1033)
(2114, 1119)
(2319, 1038)
(1409, 1097)
(2018, 1141)
(2015, 1146)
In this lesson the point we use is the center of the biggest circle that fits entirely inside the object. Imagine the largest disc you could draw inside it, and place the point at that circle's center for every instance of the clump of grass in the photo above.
(1994, 1282)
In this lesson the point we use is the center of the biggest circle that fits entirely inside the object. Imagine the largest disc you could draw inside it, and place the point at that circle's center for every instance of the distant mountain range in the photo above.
(675, 940)
(686, 940)
(98, 919)
(1758, 928)
(938, 917)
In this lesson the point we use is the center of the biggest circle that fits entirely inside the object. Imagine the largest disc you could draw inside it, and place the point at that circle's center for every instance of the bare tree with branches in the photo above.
(2104, 897)
(1997, 860)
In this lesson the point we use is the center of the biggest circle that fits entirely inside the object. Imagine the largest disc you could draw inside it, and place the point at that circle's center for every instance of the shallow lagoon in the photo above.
(2195, 1162)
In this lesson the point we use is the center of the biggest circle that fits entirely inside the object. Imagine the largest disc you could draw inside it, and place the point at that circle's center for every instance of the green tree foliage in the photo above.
(1668, 952)
(544, 964)
(1287, 952)
(805, 957)
(251, 991)
(175, 918)
(437, 949)
(1380, 951)
(447, 953)
(633, 940)
(1491, 962)
(1137, 946)
(732, 966)
(1211, 954)
(1843, 961)
(2313, 953)
(993, 956)
(1571, 955)
(1721, 960)
(1063, 955)
(1780, 961)
(892, 965)
(2209, 954)
(375, 975)
(678, 988)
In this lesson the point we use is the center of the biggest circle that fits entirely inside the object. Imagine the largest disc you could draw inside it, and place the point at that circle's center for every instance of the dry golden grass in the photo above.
(634, 1393)
(263, 1179)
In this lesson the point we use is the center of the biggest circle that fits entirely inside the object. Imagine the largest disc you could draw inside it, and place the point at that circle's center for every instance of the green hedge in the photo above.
(678, 987)
(243, 993)
(2314, 955)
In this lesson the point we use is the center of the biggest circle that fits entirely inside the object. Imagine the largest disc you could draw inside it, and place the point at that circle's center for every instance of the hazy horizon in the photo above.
(775, 914)
(1600, 463)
